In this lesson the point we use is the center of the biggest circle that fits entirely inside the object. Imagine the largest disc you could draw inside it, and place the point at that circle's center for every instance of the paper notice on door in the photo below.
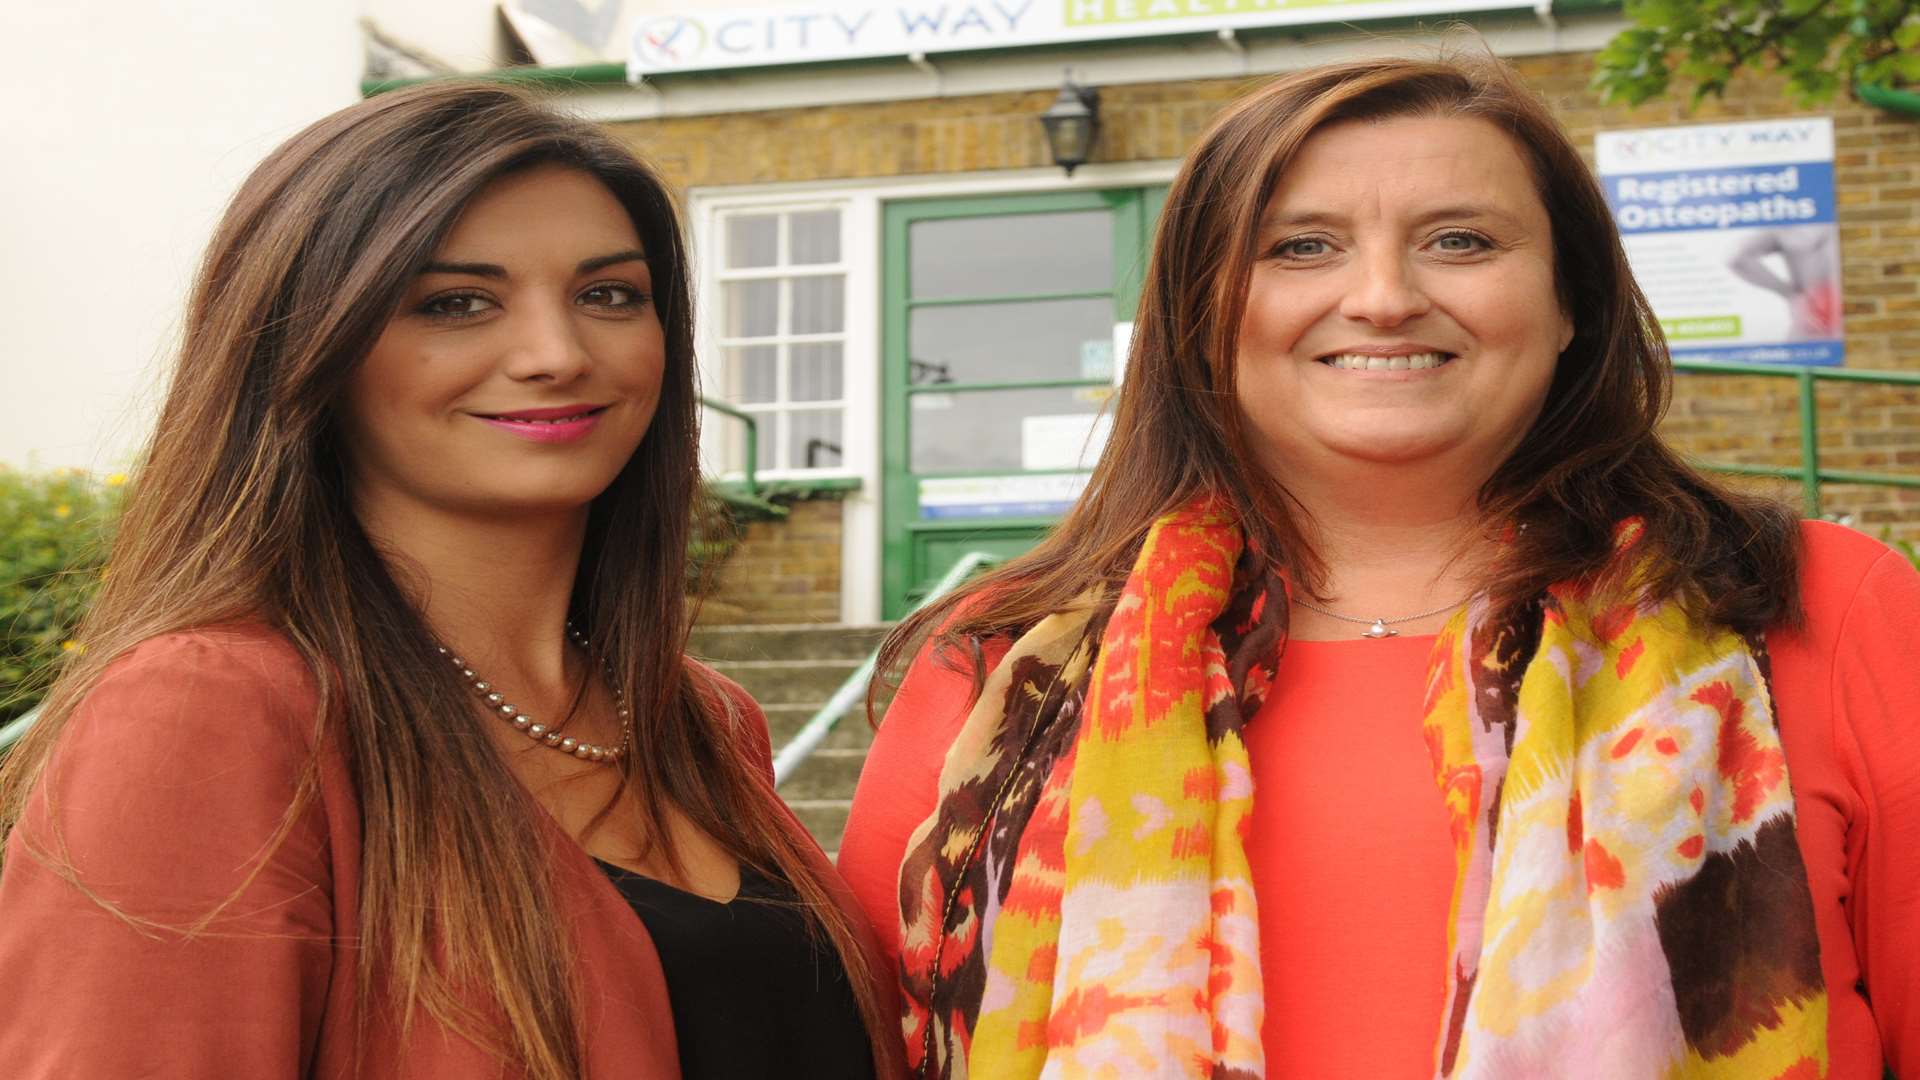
(1096, 359)
(944, 498)
(1073, 441)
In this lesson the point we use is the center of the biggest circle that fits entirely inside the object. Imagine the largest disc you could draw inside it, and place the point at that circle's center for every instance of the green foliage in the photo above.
(1821, 46)
(54, 529)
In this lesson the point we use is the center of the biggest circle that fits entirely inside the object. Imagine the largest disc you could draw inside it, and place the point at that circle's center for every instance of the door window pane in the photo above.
(1010, 255)
(1044, 339)
(983, 431)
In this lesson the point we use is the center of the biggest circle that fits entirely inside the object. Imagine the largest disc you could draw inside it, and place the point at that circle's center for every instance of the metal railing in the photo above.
(750, 468)
(854, 689)
(17, 727)
(1809, 472)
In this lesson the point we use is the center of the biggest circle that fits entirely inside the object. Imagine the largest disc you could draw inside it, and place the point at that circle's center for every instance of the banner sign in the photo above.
(759, 37)
(1732, 234)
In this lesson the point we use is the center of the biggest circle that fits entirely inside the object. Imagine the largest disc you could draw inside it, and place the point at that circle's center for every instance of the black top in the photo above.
(754, 994)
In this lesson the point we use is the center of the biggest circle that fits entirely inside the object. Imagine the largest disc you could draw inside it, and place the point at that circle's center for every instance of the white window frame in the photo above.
(714, 347)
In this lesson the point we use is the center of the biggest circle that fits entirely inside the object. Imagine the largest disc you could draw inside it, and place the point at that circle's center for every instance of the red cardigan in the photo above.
(170, 779)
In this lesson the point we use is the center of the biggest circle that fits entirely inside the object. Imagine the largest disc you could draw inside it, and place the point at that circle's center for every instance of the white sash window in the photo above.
(781, 314)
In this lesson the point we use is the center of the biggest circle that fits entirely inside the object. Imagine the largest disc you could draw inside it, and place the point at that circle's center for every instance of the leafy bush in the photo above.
(54, 529)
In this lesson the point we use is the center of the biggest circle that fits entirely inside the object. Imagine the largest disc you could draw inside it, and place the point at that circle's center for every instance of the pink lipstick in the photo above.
(561, 424)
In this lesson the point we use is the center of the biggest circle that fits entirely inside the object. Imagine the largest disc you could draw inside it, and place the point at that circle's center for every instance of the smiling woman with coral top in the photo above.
(384, 758)
(1394, 703)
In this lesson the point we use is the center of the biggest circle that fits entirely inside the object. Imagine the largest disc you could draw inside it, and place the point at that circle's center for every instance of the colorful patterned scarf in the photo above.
(1629, 900)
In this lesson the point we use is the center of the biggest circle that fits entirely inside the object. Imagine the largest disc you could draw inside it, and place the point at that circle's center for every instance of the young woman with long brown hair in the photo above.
(1395, 703)
(383, 758)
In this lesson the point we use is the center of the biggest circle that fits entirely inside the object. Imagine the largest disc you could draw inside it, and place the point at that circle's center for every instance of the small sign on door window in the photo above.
(1073, 441)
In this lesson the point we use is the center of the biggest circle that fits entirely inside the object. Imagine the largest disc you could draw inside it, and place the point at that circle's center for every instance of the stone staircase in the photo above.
(791, 670)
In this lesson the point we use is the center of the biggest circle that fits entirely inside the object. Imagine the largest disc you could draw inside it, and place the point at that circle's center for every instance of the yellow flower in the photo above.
(63, 511)
(72, 646)
(116, 479)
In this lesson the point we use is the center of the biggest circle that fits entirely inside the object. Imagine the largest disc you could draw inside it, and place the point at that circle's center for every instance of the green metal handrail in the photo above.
(820, 724)
(748, 471)
(1809, 472)
(17, 727)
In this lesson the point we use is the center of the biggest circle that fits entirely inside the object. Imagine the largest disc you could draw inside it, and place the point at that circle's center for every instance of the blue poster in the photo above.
(1732, 235)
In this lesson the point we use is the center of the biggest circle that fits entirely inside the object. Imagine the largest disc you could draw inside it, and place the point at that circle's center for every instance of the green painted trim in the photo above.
(561, 78)
(899, 498)
(1890, 99)
(1036, 298)
(1009, 384)
(1133, 267)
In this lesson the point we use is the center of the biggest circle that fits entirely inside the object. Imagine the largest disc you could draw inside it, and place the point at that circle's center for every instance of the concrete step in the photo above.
(796, 641)
(826, 819)
(789, 682)
(791, 671)
(826, 774)
(785, 721)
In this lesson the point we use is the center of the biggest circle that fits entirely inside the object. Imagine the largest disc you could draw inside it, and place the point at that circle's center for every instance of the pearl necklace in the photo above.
(541, 733)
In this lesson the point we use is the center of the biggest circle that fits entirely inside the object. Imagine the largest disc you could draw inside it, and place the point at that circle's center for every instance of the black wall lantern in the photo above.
(1072, 123)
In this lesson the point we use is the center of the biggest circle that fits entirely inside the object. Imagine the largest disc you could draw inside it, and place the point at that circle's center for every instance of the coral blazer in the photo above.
(169, 782)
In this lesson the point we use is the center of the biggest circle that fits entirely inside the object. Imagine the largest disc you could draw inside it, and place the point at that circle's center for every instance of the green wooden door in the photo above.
(999, 319)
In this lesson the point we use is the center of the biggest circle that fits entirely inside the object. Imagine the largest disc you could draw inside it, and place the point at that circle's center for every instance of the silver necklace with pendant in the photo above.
(1378, 628)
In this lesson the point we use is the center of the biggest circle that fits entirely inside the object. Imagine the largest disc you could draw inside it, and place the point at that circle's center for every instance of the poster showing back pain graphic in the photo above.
(1731, 232)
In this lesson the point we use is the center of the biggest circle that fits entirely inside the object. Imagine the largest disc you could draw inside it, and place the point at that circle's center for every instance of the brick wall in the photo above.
(784, 570)
(1747, 420)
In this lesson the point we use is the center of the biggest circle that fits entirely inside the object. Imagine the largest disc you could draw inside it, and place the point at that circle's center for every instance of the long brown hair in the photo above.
(1591, 458)
(241, 512)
